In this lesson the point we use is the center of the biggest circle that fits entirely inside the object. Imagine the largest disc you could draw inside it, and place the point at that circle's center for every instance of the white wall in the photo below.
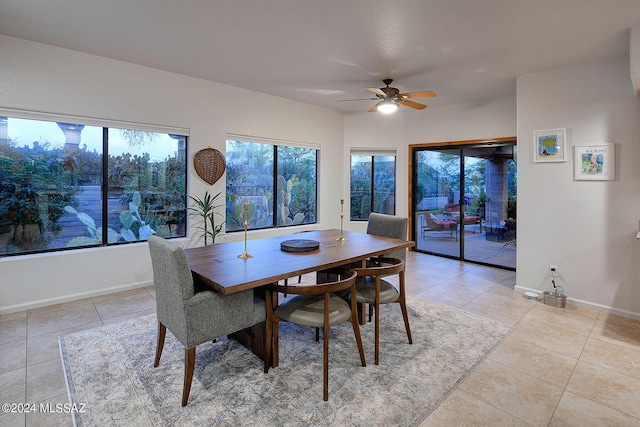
(380, 131)
(43, 78)
(491, 119)
(587, 228)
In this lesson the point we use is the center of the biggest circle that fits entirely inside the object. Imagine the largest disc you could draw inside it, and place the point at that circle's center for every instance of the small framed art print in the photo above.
(549, 145)
(594, 162)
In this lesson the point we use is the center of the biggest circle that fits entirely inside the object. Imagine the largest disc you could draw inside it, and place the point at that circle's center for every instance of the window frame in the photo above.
(274, 144)
(372, 154)
(106, 125)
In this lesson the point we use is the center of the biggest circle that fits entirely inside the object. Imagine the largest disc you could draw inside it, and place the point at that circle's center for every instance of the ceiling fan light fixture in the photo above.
(387, 106)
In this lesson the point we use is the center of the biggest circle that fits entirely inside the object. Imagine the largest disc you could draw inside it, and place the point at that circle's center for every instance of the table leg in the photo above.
(362, 313)
(254, 338)
(275, 353)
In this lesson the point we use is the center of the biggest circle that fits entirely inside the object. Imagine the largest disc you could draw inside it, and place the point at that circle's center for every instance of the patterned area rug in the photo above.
(110, 369)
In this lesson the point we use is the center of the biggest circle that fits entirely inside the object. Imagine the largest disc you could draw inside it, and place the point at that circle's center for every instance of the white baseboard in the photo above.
(588, 304)
(71, 297)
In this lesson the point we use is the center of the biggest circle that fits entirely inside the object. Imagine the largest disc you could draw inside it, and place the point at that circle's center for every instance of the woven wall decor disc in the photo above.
(209, 164)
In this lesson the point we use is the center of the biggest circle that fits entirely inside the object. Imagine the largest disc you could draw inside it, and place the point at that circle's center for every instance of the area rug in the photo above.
(111, 379)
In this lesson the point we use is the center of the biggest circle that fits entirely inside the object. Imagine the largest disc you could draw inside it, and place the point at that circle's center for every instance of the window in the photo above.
(373, 184)
(276, 182)
(58, 192)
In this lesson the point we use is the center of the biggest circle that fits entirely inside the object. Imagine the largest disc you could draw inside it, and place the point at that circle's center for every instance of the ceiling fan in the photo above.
(389, 98)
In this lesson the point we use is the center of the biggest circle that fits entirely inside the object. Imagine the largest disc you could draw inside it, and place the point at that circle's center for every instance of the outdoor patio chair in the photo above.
(439, 225)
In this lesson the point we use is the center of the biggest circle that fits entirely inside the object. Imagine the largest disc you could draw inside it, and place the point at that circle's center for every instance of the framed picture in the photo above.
(549, 145)
(595, 162)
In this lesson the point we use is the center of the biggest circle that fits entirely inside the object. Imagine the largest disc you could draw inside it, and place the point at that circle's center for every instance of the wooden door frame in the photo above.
(443, 144)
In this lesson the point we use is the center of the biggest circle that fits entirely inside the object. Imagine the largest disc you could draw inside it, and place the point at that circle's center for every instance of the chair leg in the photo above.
(325, 330)
(377, 333)
(162, 331)
(356, 333)
(325, 374)
(377, 313)
(317, 334)
(189, 363)
(403, 306)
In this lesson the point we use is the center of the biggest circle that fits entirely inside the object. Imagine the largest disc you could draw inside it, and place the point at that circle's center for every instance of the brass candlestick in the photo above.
(341, 238)
(245, 254)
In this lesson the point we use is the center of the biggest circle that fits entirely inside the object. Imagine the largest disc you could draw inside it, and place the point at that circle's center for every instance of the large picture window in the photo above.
(277, 183)
(373, 184)
(68, 185)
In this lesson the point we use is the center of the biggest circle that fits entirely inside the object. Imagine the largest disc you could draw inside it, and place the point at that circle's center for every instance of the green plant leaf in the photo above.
(204, 210)
(127, 235)
(137, 199)
(133, 208)
(145, 231)
(126, 218)
(252, 210)
(93, 233)
(87, 220)
(112, 235)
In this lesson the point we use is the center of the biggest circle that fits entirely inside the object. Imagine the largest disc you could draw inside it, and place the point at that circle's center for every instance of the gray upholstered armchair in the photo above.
(194, 318)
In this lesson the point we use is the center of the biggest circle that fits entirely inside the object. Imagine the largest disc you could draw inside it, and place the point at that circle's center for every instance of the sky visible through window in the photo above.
(24, 132)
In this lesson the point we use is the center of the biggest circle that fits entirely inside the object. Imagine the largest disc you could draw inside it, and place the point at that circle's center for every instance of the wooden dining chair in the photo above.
(386, 226)
(194, 317)
(372, 289)
(316, 306)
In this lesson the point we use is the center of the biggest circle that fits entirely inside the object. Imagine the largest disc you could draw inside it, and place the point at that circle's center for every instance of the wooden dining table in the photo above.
(219, 267)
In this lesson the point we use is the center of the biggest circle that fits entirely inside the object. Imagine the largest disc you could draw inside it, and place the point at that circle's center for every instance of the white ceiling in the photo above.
(320, 51)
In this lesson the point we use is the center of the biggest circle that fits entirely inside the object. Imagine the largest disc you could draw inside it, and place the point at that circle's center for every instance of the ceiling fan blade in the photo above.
(376, 91)
(423, 94)
(374, 109)
(412, 104)
(358, 99)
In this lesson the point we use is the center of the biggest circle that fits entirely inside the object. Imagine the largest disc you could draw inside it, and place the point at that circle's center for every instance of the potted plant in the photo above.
(204, 209)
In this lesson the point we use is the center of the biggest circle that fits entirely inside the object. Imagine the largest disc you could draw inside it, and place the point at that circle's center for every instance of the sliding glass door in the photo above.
(436, 189)
(464, 202)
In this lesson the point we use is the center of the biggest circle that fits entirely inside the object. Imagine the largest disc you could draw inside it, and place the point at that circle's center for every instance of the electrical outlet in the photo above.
(553, 270)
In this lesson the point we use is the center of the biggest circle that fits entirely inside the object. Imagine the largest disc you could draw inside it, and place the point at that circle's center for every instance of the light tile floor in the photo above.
(558, 367)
